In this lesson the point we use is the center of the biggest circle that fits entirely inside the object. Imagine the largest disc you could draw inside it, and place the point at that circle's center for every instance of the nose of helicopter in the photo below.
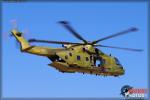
(121, 70)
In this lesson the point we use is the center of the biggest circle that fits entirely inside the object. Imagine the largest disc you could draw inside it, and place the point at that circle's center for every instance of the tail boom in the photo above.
(38, 50)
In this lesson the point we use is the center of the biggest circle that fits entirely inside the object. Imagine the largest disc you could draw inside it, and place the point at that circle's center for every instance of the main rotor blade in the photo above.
(53, 42)
(129, 49)
(117, 34)
(67, 26)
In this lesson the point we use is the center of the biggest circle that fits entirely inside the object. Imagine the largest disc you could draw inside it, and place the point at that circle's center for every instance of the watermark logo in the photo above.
(128, 91)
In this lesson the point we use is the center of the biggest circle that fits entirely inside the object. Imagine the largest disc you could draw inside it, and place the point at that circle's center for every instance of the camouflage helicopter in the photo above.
(82, 57)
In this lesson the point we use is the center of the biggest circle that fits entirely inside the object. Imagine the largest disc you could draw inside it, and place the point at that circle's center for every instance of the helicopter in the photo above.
(83, 57)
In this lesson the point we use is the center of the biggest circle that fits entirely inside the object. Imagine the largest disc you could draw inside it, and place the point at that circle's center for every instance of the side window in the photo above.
(78, 57)
(87, 59)
(70, 54)
(103, 61)
(90, 58)
(66, 57)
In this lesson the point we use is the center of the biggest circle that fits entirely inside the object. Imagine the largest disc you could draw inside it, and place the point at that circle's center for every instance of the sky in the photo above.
(27, 75)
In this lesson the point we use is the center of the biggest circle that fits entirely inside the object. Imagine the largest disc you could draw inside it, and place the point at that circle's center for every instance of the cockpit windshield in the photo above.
(117, 61)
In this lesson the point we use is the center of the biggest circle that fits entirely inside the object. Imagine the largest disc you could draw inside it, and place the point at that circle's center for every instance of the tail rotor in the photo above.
(24, 33)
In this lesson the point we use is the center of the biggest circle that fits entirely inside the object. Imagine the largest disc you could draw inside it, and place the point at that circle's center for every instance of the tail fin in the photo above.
(18, 35)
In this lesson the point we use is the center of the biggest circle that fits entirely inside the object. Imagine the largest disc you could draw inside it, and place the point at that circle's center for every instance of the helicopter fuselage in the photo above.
(75, 58)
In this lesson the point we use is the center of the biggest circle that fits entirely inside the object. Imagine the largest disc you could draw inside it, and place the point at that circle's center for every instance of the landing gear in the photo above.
(115, 75)
(102, 69)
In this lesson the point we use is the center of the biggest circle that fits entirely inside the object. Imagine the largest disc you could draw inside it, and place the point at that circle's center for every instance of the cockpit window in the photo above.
(117, 62)
(78, 57)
